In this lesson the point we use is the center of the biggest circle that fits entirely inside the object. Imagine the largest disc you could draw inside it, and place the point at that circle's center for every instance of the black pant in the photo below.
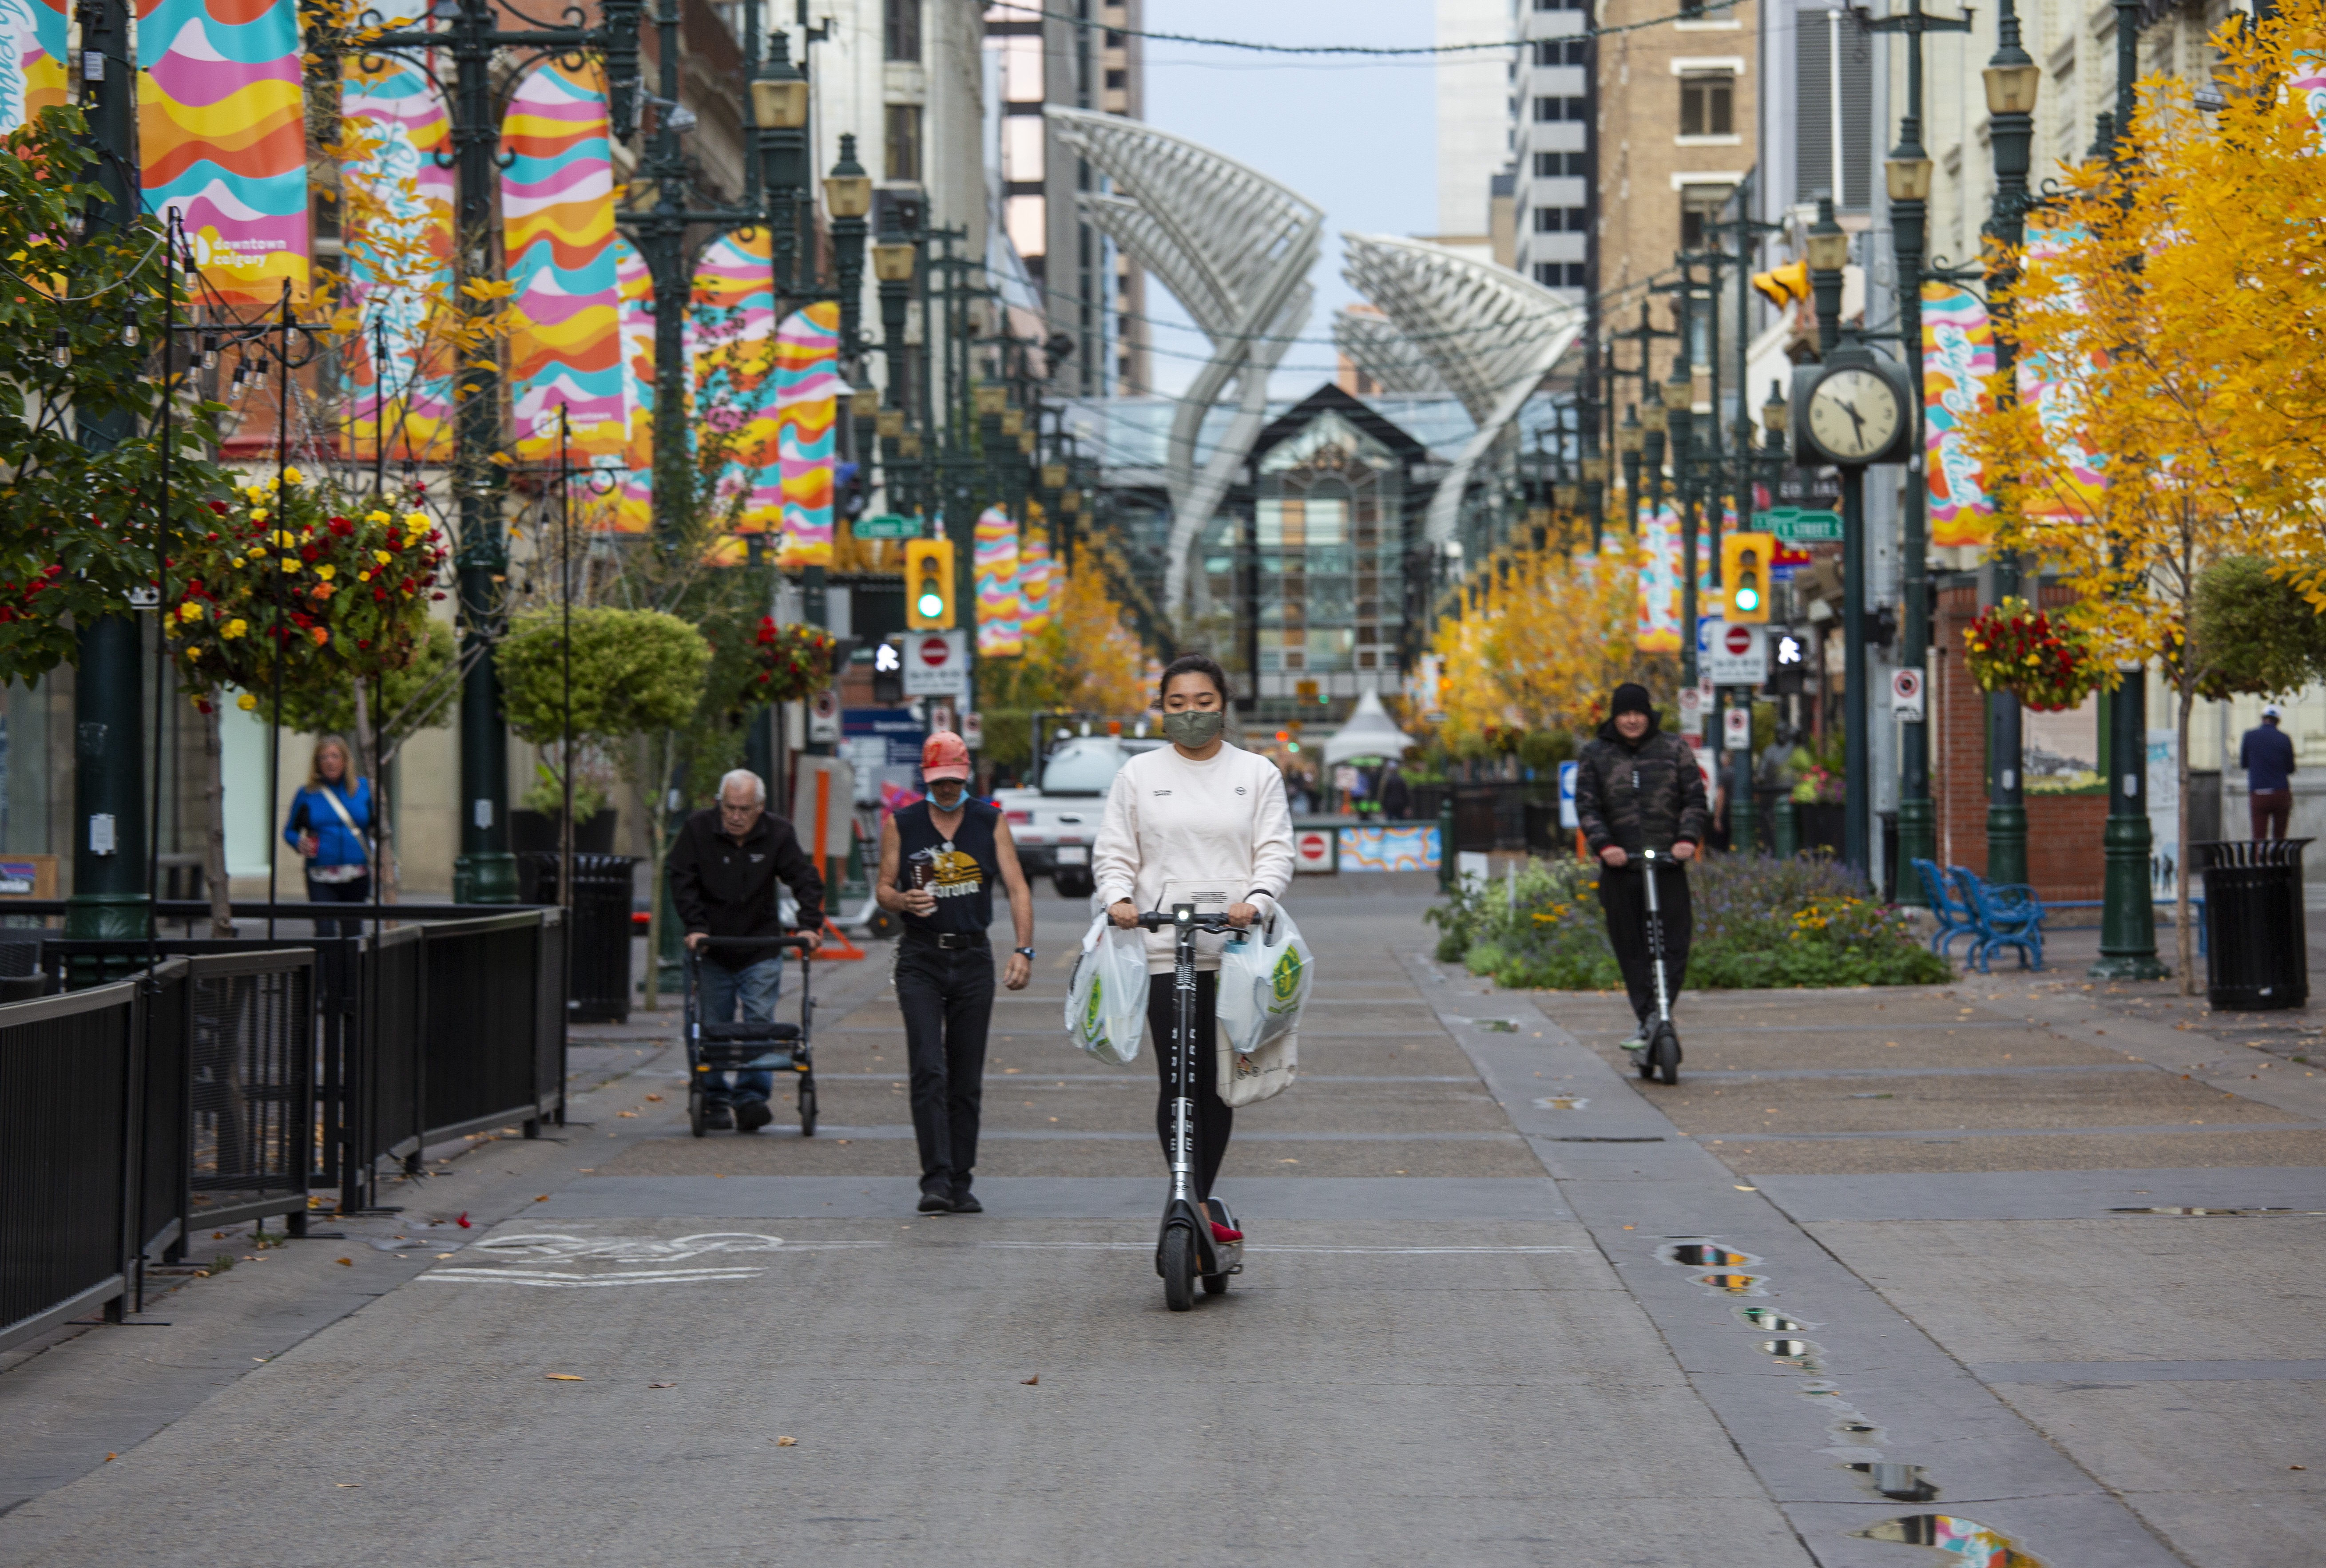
(1623, 895)
(356, 892)
(947, 1000)
(1213, 1117)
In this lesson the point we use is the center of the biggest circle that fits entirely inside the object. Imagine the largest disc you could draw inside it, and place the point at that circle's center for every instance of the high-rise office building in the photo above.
(1553, 174)
(1083, 54)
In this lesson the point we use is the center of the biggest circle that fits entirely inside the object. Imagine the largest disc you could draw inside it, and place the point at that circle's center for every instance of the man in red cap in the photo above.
(939, 860)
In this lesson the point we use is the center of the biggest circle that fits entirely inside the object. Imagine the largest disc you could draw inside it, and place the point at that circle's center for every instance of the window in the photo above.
(1562, 165)
(903, 30)
(1023, 139)
(1562, 4)
(1562, 220)
(1562, 52)
(1021, 68)
(1116, 79)
(1113, 39)
(1832, 52)
(1553, 110)
(1707, 103)
(901, 141)
(1562, 274)
(1700, 207)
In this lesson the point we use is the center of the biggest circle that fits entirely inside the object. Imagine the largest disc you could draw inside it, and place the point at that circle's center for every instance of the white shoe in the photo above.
(1636, 1042)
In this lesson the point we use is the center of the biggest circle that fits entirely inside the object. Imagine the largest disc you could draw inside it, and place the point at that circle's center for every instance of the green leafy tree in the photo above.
(82, 515)
(2253, 631)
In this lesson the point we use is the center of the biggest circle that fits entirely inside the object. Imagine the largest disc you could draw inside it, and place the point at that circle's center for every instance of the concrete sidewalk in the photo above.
(1504, 1303)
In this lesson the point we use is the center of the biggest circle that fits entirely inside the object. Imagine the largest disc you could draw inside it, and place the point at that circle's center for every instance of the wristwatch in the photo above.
(1024, 953)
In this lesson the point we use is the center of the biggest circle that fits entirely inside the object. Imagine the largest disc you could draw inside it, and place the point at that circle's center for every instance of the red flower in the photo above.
(218, 508)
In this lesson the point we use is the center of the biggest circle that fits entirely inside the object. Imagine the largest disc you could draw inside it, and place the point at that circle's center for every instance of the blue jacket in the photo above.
(311, 813)
(2266, 754)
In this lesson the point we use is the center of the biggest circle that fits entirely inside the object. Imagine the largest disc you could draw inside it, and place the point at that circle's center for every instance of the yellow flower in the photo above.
(236, 563)
(293, 476)
(235, 627)
(382, 556)
(275, 484)
(246, 702)
(377, 517)
(260, 513)
(256, 549)
(416, 521)
(363, 577)
(255, 494)
(326, 571)
(190, 611)
(289, 564)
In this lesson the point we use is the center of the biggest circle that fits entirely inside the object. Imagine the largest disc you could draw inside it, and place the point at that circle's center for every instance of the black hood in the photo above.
(1607, 731)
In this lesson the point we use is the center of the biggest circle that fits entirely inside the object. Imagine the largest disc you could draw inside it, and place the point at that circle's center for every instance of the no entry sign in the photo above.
(1734, 654)
(1312, 849)
(936, 664)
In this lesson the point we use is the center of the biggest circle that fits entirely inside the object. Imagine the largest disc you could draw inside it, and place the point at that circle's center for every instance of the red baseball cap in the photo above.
(944, 755)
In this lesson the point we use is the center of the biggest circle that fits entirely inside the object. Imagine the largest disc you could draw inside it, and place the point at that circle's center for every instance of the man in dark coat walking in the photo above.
(1639, 788)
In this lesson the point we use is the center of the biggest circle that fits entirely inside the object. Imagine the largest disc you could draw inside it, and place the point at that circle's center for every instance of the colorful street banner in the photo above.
(2309, 83)
(729, 342)
(807, 392)
(222, 127)
(1957, 362)
(2055, 397)
(1036, 576)
(993, 564)
(1658, 628)
(557, 214)
(396, 212)
(32, 44)
(633, 510)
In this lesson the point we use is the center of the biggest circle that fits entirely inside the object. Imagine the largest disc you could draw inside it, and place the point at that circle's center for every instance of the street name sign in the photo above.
(886, 525)
(1794, 525)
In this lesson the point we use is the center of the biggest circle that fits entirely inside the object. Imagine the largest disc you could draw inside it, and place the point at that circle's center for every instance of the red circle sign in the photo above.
(935, 652)
(1738, 640)
(1312, 846)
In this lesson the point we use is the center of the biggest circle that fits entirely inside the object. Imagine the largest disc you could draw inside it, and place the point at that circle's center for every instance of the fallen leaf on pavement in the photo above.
(662, 1384)
(787, 1442)
(626, 1113)
(1029, 1382)
(356, 1484)
(654, 1096)
(347, 1263)
(111, 1457)
(542, 1199)
(561, 1376)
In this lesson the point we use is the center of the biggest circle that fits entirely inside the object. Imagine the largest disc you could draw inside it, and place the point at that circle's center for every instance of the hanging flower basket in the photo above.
(2012, 648)
(789, 662)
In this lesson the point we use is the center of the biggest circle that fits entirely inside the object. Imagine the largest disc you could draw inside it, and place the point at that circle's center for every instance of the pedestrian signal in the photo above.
(1745, 573)
(929, 585)
(1785, 285)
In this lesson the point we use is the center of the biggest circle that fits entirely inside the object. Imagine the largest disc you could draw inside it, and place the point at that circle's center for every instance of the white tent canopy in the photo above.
(1370, 732)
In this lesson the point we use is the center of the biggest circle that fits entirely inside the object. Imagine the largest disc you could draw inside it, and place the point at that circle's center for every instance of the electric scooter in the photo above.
(1662, 1057)
(1185, 1251)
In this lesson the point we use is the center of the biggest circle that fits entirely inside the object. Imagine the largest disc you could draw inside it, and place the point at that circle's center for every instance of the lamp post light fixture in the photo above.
(1627, 446)
(847, 197)
(2011, 79)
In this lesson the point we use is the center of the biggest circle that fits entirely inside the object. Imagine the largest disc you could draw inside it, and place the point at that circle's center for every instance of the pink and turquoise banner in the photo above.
(558, 216)
(32, 44)
(807, 392)
(728, 342)
(1037, 574)
(397, 211)
(1958, 363)
(223, 128)
(993, 565)
(635, 323)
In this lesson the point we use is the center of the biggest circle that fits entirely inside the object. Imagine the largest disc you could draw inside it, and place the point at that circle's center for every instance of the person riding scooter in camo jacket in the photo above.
(1638, 788)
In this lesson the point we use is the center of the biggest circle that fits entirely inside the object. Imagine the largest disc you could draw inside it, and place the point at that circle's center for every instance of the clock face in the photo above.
(1854, 414)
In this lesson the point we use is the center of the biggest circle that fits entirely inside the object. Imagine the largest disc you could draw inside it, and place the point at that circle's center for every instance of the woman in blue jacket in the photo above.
(330, 827)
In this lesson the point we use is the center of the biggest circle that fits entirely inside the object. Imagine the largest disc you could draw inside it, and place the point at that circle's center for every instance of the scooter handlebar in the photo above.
(1213, 924)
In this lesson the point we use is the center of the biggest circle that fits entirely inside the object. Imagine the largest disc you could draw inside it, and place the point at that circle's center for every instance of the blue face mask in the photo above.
(1193, 728)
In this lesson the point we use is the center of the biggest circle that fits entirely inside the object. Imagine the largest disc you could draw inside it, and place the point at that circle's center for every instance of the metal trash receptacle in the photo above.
(2257, 946)
(598, 974)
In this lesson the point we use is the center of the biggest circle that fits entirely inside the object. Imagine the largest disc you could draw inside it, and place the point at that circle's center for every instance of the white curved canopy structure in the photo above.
(1491, 335)
(1234, 248)
(1385, 354)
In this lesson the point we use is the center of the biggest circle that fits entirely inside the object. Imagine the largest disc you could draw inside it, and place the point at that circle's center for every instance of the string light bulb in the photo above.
(129, 334)
(61, 350)
(209, 350)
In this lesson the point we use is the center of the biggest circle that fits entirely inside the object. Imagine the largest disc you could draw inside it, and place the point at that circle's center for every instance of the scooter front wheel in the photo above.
(1665, 1050)
(1176, 1256)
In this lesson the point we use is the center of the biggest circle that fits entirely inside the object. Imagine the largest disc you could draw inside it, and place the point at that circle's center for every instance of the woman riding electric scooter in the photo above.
(1198, 821)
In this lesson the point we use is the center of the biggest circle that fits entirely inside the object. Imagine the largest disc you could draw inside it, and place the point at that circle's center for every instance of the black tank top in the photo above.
(961, 871)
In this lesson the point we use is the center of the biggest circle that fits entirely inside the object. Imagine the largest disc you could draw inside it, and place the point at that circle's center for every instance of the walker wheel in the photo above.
(807, 1107)
(695, 1122)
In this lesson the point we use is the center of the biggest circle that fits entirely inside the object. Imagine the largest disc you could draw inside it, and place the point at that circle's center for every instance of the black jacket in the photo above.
(1644, 795)
(729, 889)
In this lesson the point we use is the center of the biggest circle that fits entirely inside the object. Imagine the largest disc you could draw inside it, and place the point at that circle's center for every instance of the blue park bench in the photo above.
(1996, 916)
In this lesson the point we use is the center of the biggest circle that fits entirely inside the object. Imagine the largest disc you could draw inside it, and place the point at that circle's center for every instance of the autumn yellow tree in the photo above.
(2167, 313)
(1086, 660)
(1538, 647)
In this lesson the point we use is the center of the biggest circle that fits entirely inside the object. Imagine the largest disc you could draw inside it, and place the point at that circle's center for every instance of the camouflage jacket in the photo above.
(1642, 794)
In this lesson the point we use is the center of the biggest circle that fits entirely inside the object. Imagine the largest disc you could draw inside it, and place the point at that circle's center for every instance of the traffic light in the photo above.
(929, 585)
(1788, 662)
(1785, 285)
(1745, 573)
(888, 672)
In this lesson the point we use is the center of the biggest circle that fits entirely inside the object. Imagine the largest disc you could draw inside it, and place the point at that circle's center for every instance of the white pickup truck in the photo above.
(1056, 825)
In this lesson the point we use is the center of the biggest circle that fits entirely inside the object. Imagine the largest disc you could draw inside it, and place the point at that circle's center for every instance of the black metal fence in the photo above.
(233, 1077)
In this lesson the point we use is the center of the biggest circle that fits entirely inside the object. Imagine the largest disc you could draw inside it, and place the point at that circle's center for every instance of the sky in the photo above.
(1358, 140)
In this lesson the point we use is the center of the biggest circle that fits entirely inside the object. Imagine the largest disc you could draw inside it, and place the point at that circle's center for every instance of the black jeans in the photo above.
(947, 1000)
(356, 892)
(1623, 895)
(1214, 1119)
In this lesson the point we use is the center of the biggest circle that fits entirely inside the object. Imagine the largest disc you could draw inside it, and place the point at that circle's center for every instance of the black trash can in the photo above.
(598, 975)
(2257, 953)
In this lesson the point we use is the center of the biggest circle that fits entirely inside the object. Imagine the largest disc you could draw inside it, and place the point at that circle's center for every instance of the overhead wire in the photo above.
(1360, 50)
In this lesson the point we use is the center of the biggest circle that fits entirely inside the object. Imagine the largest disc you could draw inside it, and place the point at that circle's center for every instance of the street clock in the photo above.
(1851, 413)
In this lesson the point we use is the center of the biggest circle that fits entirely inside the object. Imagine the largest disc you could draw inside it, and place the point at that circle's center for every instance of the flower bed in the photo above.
(1760, 924)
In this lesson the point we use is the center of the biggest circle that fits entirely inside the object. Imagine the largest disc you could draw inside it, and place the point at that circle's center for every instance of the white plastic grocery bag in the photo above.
(1106, 997)
(1264, 983)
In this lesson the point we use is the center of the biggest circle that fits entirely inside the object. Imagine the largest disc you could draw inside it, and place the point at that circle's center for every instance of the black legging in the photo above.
(1213, 1117)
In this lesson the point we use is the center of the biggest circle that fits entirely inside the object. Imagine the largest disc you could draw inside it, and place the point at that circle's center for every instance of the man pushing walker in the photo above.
(939, 860)
(1639, 789)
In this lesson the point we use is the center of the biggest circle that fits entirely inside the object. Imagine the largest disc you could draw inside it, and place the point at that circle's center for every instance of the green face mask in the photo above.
(1194, 729)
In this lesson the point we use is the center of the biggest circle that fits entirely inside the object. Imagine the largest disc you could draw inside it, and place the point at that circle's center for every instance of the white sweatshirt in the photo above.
(1221, 822)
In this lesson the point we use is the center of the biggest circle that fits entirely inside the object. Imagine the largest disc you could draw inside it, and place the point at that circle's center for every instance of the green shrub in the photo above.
(1760, 922)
